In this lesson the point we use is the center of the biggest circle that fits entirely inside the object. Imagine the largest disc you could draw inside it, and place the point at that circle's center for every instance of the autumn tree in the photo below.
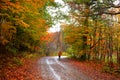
(96, 18)
(22, 24)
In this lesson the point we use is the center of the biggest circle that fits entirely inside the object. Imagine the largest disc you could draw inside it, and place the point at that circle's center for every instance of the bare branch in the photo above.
(112, 13)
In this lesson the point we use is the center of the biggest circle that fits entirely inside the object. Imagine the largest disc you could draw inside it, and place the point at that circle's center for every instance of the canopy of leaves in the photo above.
(23, 23)
(93, 28)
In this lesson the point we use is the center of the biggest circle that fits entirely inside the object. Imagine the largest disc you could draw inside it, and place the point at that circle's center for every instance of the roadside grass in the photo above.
(114, 58)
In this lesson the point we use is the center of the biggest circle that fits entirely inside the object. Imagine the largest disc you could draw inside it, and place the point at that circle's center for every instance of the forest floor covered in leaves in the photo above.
(19, 68)
(94, 70)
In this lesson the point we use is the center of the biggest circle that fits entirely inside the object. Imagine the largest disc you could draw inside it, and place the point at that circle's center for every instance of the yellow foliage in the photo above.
(37, 3)
(23, 24)
(3, 41)
(7, 30)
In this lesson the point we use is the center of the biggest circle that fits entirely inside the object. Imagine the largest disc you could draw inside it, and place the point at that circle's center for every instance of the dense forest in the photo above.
(93, 33)
(89, 32)
(23, 24)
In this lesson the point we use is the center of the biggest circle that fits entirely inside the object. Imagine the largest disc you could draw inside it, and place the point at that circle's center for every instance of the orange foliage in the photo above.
(47, 38)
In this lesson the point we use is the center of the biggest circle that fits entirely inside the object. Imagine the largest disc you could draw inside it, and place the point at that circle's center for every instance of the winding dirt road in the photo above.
(54, 69)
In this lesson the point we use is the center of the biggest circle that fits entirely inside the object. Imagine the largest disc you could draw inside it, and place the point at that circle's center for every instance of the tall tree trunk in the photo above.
(94, 41)
(110, 46)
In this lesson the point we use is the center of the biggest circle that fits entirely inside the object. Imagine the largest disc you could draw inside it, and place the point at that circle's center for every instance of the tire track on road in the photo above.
(54, 69)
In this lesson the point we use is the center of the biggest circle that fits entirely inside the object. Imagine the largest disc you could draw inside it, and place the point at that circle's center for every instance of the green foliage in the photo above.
(70, 51)
(78, 1)
(13, 1)
(107, 69)
(83, 57)
(11, 49)
(44, 13)
(17, 61)
(82, 1)
(30, 56)
(76, 37)
(117, 71)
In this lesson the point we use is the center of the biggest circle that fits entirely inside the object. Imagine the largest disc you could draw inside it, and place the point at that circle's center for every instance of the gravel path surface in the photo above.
(54, 69)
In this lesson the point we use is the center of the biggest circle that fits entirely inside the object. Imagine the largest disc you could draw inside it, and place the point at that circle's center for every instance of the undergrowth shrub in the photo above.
(17, 61)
